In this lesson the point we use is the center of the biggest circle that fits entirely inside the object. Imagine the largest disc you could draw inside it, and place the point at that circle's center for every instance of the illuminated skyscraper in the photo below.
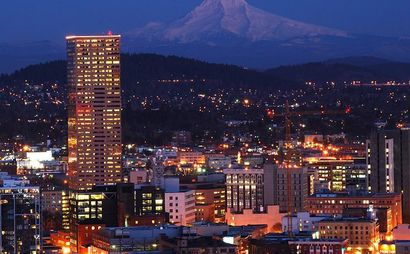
(94, 111)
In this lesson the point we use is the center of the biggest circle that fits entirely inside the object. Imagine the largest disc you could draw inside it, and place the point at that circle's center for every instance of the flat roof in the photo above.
(68, 37)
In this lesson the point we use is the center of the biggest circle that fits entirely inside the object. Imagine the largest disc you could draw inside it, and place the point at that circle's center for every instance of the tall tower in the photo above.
(388, 163)
(94, 111)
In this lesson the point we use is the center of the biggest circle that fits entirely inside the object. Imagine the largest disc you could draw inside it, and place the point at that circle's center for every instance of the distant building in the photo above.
(388, 162)
(218, 161)
(190, 157)
(20, 217)
(182, 138)
(313, 139)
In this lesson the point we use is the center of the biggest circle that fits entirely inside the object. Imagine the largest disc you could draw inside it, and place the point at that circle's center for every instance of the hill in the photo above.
(345, 70)
(152, 69)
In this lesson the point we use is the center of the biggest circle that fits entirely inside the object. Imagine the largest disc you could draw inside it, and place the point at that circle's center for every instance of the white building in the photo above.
(181, 207)
(302, 221)
(218, 161)
(40, 162)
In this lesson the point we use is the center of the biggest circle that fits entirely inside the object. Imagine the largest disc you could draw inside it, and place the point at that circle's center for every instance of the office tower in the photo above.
(244, 188)
(356, 176)
(20, 217)
(210, 199)
(94, 111)
(330, 171)
(288, 196)
(149, 206)
(388, 162)
(298, 189)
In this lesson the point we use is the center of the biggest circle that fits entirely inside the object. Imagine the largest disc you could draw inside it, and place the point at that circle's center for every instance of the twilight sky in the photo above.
(28, 20)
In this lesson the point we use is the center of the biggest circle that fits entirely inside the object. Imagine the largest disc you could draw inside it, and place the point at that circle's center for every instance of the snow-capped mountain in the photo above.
(233, 31)
(216, 19)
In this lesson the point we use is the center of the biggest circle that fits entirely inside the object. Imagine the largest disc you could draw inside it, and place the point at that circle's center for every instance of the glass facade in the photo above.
(20, 220)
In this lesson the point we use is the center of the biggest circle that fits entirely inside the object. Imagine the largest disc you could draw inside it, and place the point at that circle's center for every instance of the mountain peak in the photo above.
(214, 20)
(225, 3)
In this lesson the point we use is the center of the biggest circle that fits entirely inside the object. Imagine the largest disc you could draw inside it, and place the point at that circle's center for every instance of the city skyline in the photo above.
(179, 137)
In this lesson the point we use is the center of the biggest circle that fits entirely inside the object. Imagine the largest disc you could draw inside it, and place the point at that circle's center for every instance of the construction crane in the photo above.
(287, 162)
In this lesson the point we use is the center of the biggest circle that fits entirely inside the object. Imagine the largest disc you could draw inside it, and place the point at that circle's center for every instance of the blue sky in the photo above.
(28, 20)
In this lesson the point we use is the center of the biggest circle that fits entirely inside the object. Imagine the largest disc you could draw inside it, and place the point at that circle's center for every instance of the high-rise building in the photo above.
(331, 171)
(244, 188)
(388, 162)
(277, 189)
(94, 111)
(20, 217)
(356, 176)
(298, 189)
(211, 195)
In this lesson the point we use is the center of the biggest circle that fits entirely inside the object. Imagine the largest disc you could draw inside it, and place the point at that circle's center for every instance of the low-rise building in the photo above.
(401, 232)
(363, 234)
(194, 245)
(302, 222)
(318, 246)
(335, 203)
(181, 207)
(111, 240)
(270, 217)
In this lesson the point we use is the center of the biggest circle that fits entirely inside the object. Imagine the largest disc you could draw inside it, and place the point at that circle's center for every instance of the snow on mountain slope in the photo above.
(227, 18)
